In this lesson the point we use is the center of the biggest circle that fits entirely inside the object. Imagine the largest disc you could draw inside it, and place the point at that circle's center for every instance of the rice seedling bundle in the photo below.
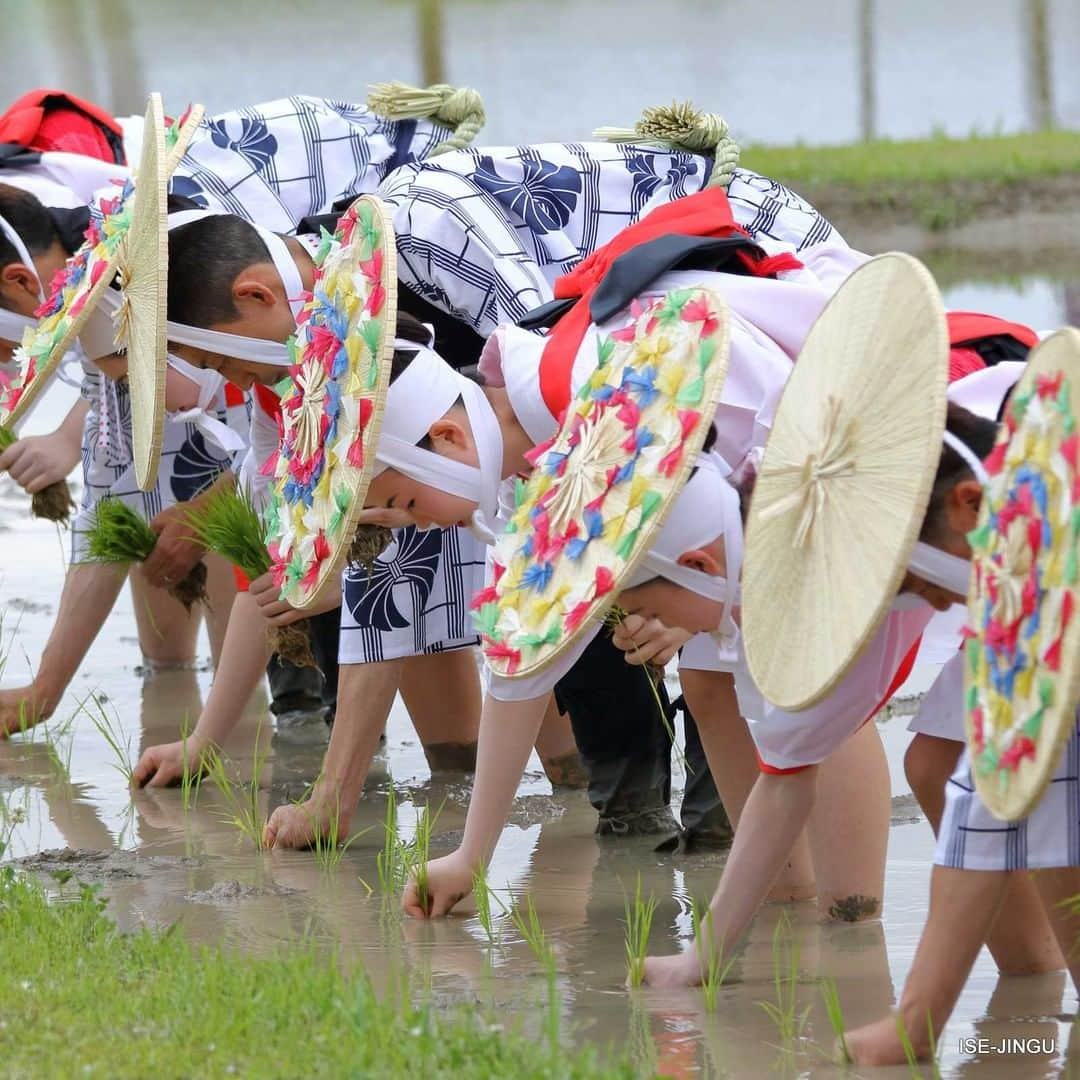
(52, 503)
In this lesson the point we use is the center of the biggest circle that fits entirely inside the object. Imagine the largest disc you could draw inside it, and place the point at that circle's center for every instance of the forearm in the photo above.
(508, 730)
(775, 813)
(71, 429)
(244, 656)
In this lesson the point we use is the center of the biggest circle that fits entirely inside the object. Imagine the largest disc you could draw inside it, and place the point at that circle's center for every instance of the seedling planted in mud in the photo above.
(786, 954)
(482, 893)
(326, 844)
(113, 734)
(390, 862)
(716, 968)
(528, 926)
(418, 851)
(638, 921)
(242, 800)
(831, 998)
(191, 778)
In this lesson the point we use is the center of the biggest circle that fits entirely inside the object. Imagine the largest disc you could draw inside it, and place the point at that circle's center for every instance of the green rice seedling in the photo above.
(612, 618)
(52, 503)
(389, 862)
(717, 968)
(119, 536)
(482, 892)
(638, 922)
(418, 851)
(242, 800)
(191, 778)
(528, 926)
(113, 734)
(227, 522)
(786, 953)
(909, 1050)
(327, 845)
(58, 744)
(642, 1045)
(831, 997)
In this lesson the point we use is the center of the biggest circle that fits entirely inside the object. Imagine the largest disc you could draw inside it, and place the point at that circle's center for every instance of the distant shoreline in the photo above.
(980, 207)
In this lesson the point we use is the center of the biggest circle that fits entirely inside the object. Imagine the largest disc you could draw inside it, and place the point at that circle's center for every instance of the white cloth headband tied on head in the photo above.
(237, 346)
(707, 507)
(24, 255)
(210, 384)
(939, 567)
(424, 392)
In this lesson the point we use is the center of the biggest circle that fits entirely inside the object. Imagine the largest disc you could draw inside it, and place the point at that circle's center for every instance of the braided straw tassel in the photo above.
(682, 127)
(458, 107)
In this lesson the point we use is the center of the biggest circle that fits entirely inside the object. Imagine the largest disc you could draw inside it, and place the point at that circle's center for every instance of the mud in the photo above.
(223, 892)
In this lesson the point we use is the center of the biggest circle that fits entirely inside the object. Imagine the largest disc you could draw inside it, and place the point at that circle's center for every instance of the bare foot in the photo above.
(668, 971)
(22, 708)
(878, 1044)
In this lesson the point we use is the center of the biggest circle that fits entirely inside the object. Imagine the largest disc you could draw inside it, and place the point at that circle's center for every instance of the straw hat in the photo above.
(1023, 670)
(79, 287)
(845, 480)
(333, 414)
(600, 490)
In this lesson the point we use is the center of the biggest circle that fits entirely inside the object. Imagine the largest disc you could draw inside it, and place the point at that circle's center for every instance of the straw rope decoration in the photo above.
(1023, 648)
(333, 410)
(458, 107)
(601, 488)
(680, 126)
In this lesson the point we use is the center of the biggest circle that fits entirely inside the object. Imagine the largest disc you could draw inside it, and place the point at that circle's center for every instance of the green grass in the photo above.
(989, 158)
(82, 999)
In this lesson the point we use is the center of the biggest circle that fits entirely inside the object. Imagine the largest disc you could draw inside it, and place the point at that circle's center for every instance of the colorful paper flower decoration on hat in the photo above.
(601, 488)
(1023, 648)
(330, 420)
(79, 284)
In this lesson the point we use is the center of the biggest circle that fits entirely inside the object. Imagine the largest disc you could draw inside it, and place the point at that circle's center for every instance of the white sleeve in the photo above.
(540, 684)
(790, 740)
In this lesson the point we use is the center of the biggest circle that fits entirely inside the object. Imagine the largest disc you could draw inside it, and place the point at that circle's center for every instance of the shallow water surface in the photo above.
(158, 863)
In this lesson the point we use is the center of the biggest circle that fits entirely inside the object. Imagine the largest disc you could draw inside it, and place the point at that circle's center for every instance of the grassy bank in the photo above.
(78, 998)
(938, 183)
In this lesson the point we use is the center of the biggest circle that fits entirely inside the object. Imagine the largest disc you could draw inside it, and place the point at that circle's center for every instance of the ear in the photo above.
(700, 559)
(962, 505)
(450, 437)
(253, 286)
(19, 277)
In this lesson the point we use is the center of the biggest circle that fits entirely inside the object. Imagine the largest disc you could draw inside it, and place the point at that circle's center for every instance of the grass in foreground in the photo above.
(993, 158)
(81, 997)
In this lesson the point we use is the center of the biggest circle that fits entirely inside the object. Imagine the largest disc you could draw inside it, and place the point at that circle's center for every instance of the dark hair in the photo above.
(979, 435)
(32, 221)
(205, 258)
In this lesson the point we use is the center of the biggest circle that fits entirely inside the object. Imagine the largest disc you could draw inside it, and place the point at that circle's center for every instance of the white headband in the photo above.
(24, 255)
(12, 324)
(258, 350)
(707, 501)
(424, 392)
(941, 567)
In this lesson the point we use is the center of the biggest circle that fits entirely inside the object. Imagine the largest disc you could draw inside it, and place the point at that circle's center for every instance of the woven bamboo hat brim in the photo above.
(845, 480)
(333, 414)
(143, 267)
(601, 489)
(1023, 660)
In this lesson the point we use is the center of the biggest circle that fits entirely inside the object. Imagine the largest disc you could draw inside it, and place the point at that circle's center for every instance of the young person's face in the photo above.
(958, 517)
(451, 437)
(242, 373)
(675, 605)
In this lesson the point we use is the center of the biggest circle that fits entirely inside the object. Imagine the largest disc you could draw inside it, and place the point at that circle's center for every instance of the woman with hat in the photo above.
(1011, 805)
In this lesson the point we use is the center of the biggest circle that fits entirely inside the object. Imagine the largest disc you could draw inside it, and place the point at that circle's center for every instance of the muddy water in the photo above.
(158, 863)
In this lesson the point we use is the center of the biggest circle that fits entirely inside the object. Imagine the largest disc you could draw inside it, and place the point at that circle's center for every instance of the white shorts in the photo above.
(971, 838)
(416, 599)
(941, 712)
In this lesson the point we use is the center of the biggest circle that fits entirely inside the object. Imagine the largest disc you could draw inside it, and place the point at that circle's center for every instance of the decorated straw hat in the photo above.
(600, 490)
(845, 481)
(332, 416)
(79, 287)
(1023, 649)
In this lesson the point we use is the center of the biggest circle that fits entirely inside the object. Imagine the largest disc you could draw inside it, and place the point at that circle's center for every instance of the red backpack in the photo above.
(50, 120)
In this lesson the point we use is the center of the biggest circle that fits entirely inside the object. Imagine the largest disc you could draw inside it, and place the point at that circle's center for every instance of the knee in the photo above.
(928, 764)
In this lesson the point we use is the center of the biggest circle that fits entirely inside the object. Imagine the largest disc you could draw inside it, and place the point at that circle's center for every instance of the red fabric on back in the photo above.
(268, 401)
(708, 213)
(972, 325)
(233, 394)
(243, 582)
(54, 120)
(964, 362)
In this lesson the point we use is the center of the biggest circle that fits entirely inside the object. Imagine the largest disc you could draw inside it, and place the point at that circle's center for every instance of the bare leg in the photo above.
(557, 750)
(775, 813)
(167, 632)
(1058, 889)
(963, 906)
(89, 593)
(442, 694)
(1022, 940)
(221, 588)
(733, 764)
(849, 828)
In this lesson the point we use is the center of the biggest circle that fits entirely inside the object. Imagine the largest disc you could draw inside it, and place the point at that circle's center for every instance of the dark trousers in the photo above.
(306, 689)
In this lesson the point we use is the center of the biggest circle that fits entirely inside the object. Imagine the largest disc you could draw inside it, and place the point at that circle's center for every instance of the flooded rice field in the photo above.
(71, 815)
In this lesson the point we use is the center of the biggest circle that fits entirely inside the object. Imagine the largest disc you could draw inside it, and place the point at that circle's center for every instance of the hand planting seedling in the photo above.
(52, 503)
(118, 535)
(638, 922)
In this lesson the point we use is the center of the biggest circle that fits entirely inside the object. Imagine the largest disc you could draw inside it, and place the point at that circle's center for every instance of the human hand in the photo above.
(446, 882)
(177, 550)
(648, 641)
(299, 825)
(387, 516)
(278, 612)
(165, 764)
(37, 461)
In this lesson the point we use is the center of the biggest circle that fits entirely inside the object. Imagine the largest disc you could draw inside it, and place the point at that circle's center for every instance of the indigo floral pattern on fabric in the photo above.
(1021, 633)
(601, 487)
